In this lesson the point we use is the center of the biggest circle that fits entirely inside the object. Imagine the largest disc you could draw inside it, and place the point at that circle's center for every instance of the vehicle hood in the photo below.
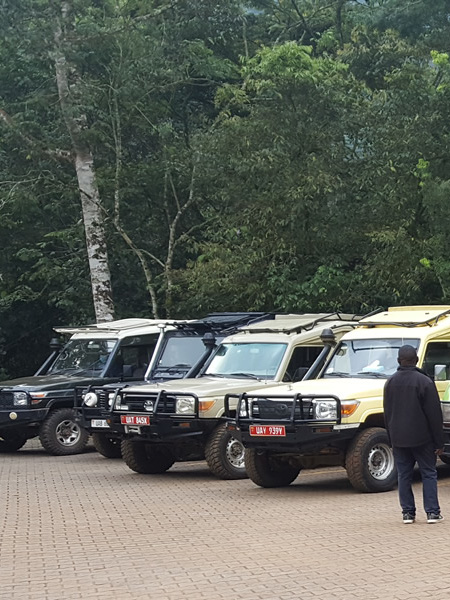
(344, 389)
(206, 386)
(46, 383)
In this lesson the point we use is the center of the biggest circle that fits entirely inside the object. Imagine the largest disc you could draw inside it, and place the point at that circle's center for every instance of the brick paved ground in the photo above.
(87, 527)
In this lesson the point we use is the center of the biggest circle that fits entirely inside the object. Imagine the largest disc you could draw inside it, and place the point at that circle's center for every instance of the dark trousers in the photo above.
(405, 459)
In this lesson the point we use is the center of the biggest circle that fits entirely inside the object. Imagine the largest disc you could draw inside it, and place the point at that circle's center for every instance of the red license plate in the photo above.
(134, 420)
(268, 430)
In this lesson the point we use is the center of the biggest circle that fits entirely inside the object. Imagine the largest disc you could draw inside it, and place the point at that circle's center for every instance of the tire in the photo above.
(266, 471)
(61, 435)
(147, 459)
(107, 446)
(370, 462)
(11, 442)
(225, 454)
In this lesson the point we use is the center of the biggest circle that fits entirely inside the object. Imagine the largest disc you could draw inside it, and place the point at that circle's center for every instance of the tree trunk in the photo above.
(84, 165)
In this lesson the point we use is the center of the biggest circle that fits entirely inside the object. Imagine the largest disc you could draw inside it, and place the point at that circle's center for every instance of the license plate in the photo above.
(99, 423)
(134, 420)
(268, 430)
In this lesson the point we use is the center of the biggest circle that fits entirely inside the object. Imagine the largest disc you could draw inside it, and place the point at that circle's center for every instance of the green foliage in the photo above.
(309, 138)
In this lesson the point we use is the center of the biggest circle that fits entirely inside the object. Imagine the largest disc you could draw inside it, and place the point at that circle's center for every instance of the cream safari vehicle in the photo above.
(337, 418)
(162, 423)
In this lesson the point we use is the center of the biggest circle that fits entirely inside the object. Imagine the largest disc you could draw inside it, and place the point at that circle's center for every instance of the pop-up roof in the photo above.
(115, 326)
(292, 323)
(407, 316)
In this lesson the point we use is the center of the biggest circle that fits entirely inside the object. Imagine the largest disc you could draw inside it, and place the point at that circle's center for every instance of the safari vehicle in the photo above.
(337, 419)
(182, 350)
(42, 404)
(183, 420)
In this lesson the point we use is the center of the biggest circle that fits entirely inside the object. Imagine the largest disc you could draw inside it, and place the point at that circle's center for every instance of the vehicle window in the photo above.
(437, 353)
(249, 359)
(302, 358)
(134, 353)
(367, 358)
(181, 351)
(83, 355)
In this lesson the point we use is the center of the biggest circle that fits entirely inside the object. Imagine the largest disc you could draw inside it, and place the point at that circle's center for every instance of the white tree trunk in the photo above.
(95, 237)
(84, 165)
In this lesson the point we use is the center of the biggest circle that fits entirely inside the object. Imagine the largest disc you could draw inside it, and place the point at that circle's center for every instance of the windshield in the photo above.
(180, 353)
(82, 356)
(247, 360)
(367, 358)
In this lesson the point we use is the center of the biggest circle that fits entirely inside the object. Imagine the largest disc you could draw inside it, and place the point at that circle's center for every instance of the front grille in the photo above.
(102, 399)
(263, 408)
(6, 400)
(166, 404)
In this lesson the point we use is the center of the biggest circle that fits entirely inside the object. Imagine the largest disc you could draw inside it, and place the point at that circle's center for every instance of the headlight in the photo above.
(243, 410)
(446, 411)
(325, 410)
(20, 398)
(90, 399)
(118, 405)
(185, 405)
(111, 397)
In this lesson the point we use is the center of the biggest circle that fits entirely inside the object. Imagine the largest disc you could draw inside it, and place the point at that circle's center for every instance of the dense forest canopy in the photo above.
(175, 157)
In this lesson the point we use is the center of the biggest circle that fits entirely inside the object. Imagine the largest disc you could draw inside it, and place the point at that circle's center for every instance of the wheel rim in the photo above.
(235, 453)
(381, 462)
(68, 433)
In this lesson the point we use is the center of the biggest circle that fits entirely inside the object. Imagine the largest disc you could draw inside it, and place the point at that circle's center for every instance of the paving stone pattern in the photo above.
(85, 527)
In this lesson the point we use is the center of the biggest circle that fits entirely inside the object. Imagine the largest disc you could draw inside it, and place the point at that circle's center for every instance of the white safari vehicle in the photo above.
(183, 420)
(337, 419)
(42, 404)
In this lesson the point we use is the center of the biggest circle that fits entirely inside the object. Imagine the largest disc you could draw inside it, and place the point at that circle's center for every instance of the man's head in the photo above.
(407, 356)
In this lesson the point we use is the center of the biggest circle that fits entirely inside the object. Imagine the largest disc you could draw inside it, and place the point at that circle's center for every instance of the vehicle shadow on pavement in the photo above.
(34, 448)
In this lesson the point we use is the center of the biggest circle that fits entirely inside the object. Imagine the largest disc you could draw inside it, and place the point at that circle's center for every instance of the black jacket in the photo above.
(412, 409)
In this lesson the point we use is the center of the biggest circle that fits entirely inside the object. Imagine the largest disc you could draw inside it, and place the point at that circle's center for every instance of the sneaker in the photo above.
(408, 518)
(434, 517)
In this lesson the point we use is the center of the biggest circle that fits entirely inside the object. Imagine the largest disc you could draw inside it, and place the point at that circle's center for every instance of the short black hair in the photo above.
(407, 353)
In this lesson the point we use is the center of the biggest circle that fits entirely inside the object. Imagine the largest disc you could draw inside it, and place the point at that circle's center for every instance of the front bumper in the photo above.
(287, 423)
(297, 439)
(161, 428)
(18, 417)
(159, 410)
(92, 419)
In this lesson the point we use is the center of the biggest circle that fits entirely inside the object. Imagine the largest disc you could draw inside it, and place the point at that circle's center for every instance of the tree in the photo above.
(48, 29)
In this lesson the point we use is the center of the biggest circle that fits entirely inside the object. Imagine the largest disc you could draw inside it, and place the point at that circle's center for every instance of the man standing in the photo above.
(413, 418)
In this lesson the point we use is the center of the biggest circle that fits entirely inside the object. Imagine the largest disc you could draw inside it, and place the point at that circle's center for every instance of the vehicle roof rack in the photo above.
(406, 316)
(302, 322)
(114, 326)
(226, 322)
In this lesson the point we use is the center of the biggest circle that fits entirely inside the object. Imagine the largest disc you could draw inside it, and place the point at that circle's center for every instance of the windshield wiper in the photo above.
(373, 374)
(337, 374)
(88, 371)
(71, 371)
(59, 371)
(213, 375)
(248, 375)
(172, 369)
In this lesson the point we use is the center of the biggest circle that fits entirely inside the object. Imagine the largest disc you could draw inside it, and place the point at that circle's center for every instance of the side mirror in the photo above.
(440, 372)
